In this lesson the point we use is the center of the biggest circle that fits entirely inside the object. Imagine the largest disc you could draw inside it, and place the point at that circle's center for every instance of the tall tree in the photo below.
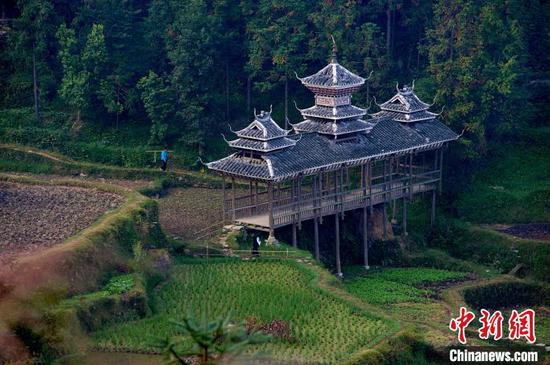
(29, 45)
(82, 69)
(477, 61)
(159, 100)
(278, 34)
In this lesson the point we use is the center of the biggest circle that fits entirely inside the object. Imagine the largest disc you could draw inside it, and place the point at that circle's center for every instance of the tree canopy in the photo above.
(189, 69)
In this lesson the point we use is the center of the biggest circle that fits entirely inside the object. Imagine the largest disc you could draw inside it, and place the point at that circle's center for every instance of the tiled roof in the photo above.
(262, 128)
(406, 117)
(337, 112)
(333, 128)
(333, 75)
(314, 151)
(404, 101)
(262, 146)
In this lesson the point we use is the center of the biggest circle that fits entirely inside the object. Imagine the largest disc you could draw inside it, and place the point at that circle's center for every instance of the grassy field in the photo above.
(324, 328)
(513, 187)
(398, 285)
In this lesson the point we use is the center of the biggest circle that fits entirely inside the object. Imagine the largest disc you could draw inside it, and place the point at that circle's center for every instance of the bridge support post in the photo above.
(316, 234)
(432, 220)
(337, 232)
(365, 239)
(405, 216)
(224, 198)
(271, 239)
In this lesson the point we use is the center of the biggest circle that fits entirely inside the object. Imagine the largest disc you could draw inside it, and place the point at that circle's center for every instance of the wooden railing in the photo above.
(288, 209)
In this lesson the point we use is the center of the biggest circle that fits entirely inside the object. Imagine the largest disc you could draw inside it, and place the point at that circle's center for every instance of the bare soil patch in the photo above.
(123, 183)
(534, 231)
(34, 217)
(184, 211)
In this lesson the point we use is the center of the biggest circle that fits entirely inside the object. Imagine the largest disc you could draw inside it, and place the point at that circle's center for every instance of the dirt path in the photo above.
(34, 217)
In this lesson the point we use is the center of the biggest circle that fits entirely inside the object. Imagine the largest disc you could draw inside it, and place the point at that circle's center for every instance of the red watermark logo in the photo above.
(520, 325)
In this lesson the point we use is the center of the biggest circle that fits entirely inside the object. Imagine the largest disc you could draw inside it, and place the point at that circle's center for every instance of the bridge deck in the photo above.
(329, 204)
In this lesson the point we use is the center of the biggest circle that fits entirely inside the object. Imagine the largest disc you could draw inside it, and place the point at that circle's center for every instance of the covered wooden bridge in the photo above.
(336, 160)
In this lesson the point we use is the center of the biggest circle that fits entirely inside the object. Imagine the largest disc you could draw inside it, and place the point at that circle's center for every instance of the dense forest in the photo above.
(185, 70)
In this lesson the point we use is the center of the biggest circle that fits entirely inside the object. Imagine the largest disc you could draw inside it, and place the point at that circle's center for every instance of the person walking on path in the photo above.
(164, 158)
(256, 242)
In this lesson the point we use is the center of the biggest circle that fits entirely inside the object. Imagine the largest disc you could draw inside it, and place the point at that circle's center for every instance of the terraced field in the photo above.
(324, 328)
(399, 285)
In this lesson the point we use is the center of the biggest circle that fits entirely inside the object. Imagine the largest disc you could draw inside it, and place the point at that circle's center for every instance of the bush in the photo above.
(506, 295)
(488, 247)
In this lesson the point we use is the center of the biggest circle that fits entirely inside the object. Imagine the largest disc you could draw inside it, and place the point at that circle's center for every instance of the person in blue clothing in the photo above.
(164, 158)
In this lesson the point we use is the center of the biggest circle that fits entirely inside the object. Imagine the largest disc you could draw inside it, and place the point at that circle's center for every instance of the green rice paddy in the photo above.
(324, 328)
(398, 285)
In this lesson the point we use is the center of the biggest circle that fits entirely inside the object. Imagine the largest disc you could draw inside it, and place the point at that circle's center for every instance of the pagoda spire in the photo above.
(334, 50)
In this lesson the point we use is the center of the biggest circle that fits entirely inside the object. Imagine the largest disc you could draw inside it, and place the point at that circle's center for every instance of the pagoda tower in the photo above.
(261, 136)
(333, 114)
(405, 107)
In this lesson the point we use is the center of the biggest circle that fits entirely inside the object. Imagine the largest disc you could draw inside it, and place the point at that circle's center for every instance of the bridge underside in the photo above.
(266, 205)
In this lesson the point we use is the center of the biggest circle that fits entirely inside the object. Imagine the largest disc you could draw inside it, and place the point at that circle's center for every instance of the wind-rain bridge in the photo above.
(336, 160)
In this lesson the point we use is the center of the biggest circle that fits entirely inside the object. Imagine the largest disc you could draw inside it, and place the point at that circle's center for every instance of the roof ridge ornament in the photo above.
(334, 50)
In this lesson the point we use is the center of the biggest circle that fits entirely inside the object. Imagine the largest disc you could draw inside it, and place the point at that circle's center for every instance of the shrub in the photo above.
(506, 295)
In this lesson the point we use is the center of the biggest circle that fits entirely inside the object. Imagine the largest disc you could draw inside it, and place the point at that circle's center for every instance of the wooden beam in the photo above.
(337, 244)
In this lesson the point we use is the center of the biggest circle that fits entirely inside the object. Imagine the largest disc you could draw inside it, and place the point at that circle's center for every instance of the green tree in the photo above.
(82, 70)
(28, 46)
(477, 52)
(159, 100)
(279, 34)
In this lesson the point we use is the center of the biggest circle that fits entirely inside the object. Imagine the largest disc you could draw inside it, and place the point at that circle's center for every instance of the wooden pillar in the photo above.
(432, 218)
(256, 195)
(316, 234)
(370, 185)
(321, 178)
(224, 198)
(299, 202)
(384, 210)
(441, 171)
(434, 192)
(342, 189)
(271, 239)
(233, 198)
(294, 236)
(365, 239)
(337, 233)
(405, 216)
(411, 187)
